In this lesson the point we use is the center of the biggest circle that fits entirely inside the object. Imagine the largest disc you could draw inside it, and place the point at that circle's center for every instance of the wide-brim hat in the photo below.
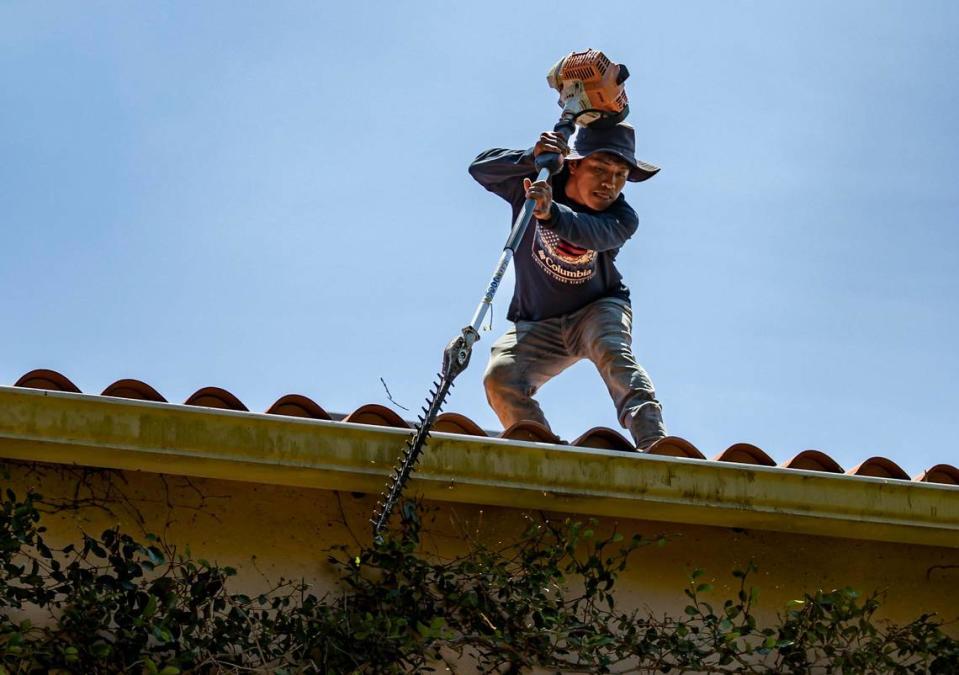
(619, 140)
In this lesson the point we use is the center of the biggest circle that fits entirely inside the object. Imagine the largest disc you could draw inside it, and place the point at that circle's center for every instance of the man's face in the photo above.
(597, 180)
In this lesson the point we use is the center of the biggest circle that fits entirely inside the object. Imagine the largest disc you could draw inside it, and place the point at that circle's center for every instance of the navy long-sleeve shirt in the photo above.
(567, 262)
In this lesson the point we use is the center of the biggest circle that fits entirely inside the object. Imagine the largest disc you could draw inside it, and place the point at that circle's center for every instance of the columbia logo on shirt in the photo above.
(562, 260)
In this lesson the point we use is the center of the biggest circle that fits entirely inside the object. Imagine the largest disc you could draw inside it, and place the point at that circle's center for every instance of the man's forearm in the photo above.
(600, 232)
(498, 169)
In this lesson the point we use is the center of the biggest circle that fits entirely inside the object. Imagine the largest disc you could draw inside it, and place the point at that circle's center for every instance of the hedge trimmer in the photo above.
(591, 93)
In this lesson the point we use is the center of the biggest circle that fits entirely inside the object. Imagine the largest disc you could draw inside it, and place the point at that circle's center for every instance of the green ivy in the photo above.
(117, 604)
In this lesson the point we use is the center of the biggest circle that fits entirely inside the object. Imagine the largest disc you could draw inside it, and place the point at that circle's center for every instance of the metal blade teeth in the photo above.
(409, 457)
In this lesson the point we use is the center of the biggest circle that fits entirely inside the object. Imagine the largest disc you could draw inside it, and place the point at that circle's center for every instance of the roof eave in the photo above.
(69, 428)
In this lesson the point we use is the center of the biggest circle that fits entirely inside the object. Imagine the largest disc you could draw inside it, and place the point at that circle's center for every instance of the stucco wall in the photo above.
(270, 531)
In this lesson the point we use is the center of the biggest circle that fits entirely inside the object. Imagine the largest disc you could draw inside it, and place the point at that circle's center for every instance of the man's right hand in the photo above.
(551, 141)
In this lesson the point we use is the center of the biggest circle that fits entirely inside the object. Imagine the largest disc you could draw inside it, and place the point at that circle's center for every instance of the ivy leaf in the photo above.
(101, 650)
(151, 607)
(155, 555)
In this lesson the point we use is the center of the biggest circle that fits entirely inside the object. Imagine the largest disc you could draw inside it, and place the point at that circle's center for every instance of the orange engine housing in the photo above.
(588, 80)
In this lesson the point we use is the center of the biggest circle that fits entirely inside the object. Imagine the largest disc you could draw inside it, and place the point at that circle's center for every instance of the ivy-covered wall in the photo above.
(267, 532)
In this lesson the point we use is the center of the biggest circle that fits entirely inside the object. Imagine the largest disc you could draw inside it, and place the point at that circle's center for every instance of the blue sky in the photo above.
(273, 198)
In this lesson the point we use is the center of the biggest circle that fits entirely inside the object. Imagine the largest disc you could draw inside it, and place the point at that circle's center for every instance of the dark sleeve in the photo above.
(501, 171)
(600, 231)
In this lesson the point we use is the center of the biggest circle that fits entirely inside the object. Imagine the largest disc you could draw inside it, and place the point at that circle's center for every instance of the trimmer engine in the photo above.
(590, 87)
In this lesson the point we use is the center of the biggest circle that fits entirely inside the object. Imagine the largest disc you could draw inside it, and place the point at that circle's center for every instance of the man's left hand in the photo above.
(542, 193)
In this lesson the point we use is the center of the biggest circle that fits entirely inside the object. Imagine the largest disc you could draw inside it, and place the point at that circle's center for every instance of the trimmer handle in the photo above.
(551, 160)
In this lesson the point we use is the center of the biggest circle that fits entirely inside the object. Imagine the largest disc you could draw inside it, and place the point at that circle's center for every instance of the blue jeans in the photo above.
(533, 352)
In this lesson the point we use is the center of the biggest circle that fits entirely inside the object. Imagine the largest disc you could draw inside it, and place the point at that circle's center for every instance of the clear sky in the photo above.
(273, 198)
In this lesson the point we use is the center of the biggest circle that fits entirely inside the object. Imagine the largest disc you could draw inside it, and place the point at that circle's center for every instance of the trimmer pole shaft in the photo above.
(548, 164)
(515, 237)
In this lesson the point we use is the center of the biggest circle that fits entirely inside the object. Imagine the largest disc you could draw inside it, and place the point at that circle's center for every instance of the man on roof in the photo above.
(569, 301)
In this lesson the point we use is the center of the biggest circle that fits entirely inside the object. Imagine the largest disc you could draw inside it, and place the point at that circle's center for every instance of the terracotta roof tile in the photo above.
(454, 423)
(940, 473)
(814, 460)
(527, 430)
(745, 453)
(879, 467)
(214, 397)
(134, 389)
(674, 446)
(46, 379)
(604, 438)
(295, 405)
(377, 415)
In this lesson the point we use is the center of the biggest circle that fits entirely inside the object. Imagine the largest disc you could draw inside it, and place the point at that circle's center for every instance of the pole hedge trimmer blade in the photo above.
(406, 463)
(456, 357)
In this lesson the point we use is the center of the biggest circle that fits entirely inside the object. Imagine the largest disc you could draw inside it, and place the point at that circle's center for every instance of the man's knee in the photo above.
(500, 377)
(611, 354)
(614, 343)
